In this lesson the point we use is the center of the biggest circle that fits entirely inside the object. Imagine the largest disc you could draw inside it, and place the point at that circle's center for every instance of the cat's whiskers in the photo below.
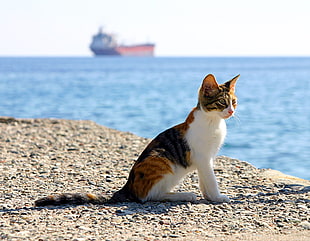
(236, 118)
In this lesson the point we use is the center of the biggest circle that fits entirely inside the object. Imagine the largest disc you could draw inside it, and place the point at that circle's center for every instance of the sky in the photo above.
(178, 27)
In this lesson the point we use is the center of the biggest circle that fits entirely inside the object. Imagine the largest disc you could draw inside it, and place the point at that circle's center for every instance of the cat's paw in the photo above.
(220, 198)
(190, 197)
(177, 197)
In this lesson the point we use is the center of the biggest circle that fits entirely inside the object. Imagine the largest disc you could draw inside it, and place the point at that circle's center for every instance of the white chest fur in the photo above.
(205, 135)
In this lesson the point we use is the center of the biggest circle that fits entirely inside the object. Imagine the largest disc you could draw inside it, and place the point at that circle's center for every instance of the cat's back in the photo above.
(170, 144)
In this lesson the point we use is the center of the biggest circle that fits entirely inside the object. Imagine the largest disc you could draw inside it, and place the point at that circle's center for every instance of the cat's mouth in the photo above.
(228, 115)
(229, 112)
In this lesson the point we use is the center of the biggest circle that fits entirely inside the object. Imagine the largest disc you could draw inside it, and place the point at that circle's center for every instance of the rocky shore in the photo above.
(47, 156)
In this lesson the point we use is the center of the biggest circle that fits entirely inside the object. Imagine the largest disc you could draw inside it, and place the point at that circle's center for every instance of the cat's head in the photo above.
(217, 99)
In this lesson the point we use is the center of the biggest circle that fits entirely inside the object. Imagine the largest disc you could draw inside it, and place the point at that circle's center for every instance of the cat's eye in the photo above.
(234, 102)
(222, 101)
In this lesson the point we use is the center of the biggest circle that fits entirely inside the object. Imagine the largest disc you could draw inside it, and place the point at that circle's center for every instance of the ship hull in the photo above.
(99, 52)
(124, 50)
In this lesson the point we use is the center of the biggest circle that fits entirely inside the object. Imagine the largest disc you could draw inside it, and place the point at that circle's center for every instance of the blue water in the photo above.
(147, 95)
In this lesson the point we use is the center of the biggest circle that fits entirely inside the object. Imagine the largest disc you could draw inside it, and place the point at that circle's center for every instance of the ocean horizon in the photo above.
(148, 95)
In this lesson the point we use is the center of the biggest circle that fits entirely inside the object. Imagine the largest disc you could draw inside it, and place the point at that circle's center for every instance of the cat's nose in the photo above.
(230, 112)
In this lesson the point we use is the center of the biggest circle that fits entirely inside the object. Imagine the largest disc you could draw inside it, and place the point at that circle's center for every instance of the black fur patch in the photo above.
(169, 144)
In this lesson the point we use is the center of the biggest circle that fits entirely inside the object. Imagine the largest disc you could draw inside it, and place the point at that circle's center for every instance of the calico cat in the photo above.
(173, 153)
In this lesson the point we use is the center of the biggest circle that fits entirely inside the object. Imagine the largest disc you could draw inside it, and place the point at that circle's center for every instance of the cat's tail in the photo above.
(71, 198)
(82, 198)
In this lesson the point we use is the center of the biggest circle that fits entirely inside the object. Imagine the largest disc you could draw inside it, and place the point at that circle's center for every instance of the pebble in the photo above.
(305, 225)
(39, 157)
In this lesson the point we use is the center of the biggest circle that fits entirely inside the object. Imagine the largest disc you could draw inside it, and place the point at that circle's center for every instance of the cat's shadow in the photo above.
(121, 209)
(130, 208)
(133, 208)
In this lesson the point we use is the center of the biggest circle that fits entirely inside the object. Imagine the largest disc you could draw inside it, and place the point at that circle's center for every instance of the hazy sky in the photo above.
(178, 27)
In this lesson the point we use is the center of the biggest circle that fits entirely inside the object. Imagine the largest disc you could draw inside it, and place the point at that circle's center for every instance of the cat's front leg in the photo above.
(208, 184)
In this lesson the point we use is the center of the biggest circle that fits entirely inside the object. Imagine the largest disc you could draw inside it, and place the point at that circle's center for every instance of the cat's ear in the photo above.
(209, 85)
(231, 84)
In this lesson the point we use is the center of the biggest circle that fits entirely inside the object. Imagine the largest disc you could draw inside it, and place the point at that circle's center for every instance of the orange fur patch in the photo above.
(190, 118)
(51, 197)
(183, 127)
(91, 196)
(188, 156)
(147, 173)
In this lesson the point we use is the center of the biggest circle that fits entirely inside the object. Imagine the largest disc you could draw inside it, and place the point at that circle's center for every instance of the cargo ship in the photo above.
(106, 44)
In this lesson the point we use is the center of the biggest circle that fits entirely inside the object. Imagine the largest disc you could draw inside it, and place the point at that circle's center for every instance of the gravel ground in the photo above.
(46, 156)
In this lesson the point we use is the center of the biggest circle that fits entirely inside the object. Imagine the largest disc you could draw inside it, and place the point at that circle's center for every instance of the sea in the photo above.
(271, 128)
